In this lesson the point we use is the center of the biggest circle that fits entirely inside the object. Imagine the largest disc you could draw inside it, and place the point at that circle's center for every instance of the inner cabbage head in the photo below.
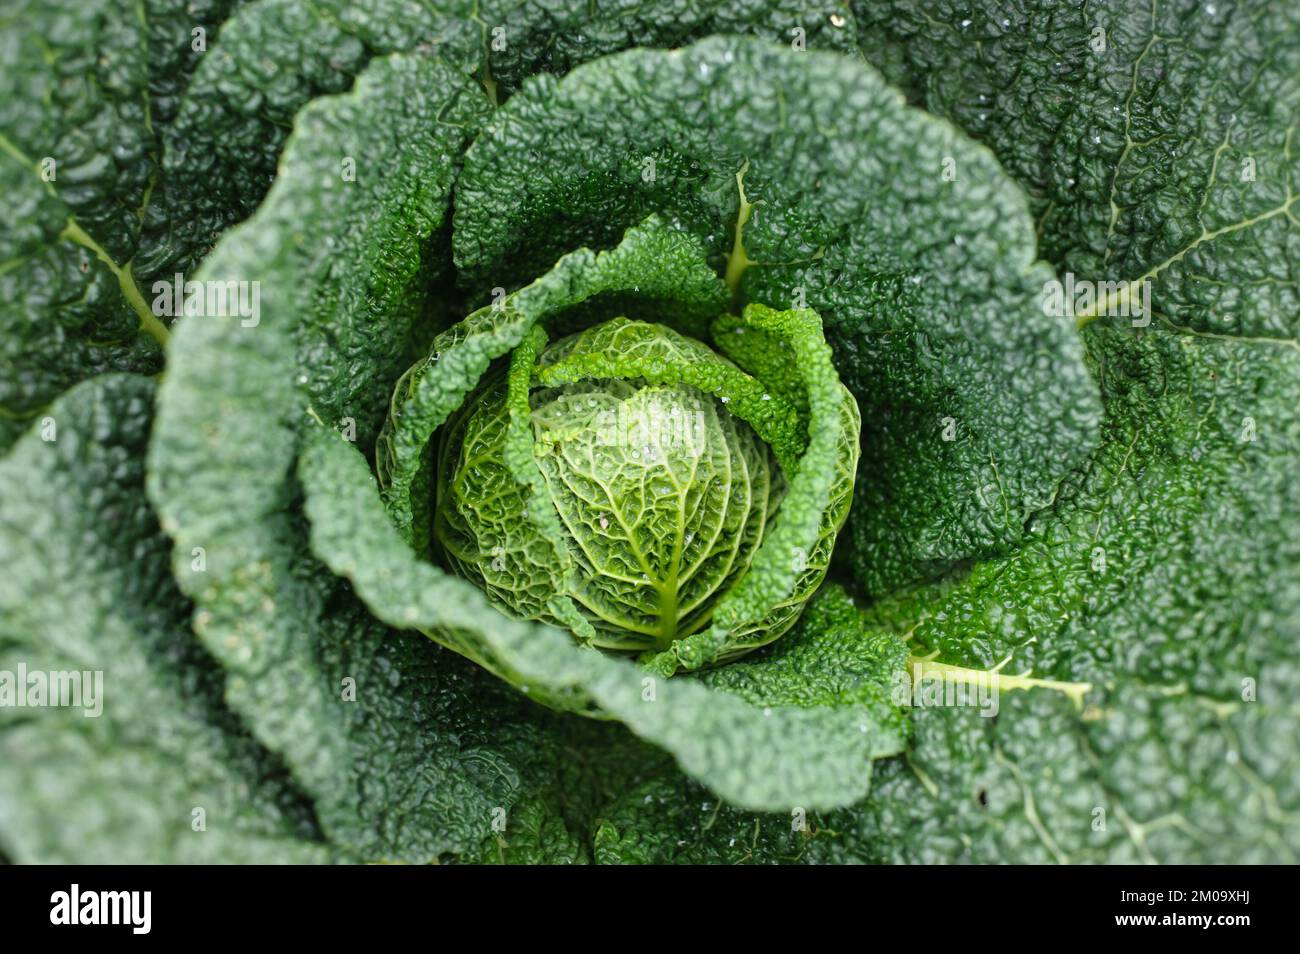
(662, 498)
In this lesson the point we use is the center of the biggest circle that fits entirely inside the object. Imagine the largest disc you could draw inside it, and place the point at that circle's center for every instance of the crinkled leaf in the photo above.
(1156, 141)
(85, 588)
(1166, 578)
(86, 91)
(656, 268)
(275, 56)
(413, 768)
(627, 573)
(977, 402)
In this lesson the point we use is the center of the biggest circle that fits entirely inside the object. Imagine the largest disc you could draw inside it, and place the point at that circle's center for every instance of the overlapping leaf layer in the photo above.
(461, 219)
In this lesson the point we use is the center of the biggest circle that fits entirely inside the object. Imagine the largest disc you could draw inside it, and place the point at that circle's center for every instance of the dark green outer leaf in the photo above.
(556, 37)
(1182, 529)
(412, 769)
(1168, 577)
(1169, 154)
(63, 316)
(87, 86)
(84, 586)
(277, 55)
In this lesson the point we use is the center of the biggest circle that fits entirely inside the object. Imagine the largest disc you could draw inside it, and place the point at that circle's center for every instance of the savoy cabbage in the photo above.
(642, 432)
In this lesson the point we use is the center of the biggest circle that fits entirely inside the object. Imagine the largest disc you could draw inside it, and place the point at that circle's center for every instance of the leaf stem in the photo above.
(738, 260)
